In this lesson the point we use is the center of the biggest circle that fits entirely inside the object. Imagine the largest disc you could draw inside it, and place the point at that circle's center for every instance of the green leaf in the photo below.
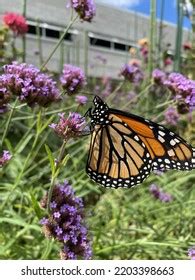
(9, 145)
(24, 143)
(39, 122)
(36, 206)
(46, 124)
(51, 158)
(64, 161)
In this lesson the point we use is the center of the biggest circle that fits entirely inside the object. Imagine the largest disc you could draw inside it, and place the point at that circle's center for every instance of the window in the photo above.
(48, 32)
(32, 29)
(52, 33)
(68, 37)
(56, 34)
(100, 43)
(120, 47)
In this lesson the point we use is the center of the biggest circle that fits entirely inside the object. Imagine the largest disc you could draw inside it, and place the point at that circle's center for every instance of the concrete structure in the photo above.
(87, 45)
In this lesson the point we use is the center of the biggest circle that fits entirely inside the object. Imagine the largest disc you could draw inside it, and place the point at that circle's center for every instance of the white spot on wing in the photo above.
(171, 153)
(172, 142)
(161, 133)
(162, 140)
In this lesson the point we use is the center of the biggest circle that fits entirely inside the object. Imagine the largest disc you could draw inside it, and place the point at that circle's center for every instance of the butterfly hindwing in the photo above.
(167, 149)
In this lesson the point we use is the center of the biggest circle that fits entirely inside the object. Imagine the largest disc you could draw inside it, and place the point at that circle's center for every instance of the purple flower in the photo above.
(72, 79)
(66, 237)
(66, 223)
(191, 253)
(3, 109)
(190, 100)
(171, 116)
(29, 84)
(183, 89)
(5, 158)
(53, 204)
(159, 194)
(44, 221)
(5, 94)
(58, 230)
(85, 8)
(56, 215)
(69, 127)
(154, 189)
(165, 197)
(132, 73)
(81, 99)
(158, 76)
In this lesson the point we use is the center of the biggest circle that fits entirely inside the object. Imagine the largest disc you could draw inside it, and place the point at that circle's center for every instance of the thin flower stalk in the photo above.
(72, 21)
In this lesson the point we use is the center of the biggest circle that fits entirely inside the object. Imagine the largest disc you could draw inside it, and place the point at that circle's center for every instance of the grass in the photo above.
(124, 224)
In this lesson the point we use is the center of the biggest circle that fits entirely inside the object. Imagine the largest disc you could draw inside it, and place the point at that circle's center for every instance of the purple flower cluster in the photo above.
(191, 253)
(81, 99)
(183, 88)
(70, 126)
(178, 84)
(29, 84)
(171, 116)
(85, 8)
(159, 194)
(132, 73)
(72, 79)
(158, 76)
(66, 223)
(5, 158)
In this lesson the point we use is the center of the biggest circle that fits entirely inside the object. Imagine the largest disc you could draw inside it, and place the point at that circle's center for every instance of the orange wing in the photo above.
(125, 148)
(117, 157)
(167, 149)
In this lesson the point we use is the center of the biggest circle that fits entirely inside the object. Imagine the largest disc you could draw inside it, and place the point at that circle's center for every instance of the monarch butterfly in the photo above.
(125, 148)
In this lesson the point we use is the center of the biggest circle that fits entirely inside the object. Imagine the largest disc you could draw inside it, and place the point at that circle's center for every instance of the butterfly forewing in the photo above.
(117, 157)
(167, 149)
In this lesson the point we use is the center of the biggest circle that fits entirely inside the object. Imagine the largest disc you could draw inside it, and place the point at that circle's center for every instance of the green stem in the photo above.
(86, 44)
(24, 36)
(139, 96)
(13, 47)
(9, 121)
(55, 173)
(111, 96)
(38, 34)
(59, 42)
(138, 243)
(61, 57)
(177, 60)
(152, 36)
(161, 27)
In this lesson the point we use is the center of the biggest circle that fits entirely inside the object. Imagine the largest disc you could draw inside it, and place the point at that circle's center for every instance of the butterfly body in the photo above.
(125, 148)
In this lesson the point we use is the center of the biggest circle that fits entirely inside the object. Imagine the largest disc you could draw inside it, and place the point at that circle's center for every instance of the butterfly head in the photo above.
(99, 115)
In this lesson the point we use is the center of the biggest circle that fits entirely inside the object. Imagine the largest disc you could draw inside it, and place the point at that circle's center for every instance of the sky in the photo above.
(143, 6)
